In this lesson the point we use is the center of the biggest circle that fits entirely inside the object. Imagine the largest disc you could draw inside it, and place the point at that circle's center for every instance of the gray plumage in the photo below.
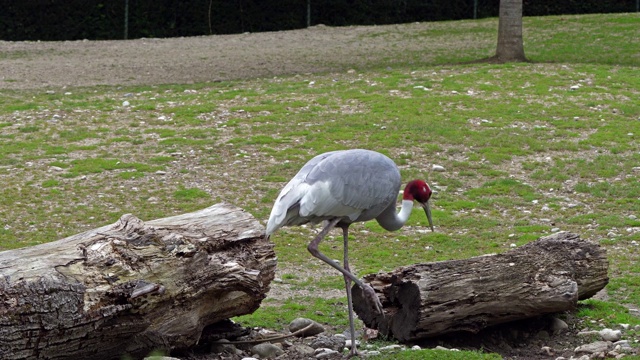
(356, 185)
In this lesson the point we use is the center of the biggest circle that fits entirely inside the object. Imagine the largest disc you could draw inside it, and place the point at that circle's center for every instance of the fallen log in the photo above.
(133, 286)
(425, 300)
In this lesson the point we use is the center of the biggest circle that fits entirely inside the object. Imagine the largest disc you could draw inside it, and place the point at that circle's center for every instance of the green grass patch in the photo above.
(190, 194)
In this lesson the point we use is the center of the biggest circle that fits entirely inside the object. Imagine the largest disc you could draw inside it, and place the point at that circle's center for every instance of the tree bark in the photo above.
(425, 300)
(132, 287)
(510, 44)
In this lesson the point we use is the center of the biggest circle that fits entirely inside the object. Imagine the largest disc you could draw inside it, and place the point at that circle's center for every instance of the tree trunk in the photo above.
(424, 300)
(132, 287)
(510, 45)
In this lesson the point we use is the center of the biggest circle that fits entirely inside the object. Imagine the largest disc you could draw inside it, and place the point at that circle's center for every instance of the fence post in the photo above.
(126, 19)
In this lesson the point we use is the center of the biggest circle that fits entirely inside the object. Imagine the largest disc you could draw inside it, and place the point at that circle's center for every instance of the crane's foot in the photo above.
(371, 298)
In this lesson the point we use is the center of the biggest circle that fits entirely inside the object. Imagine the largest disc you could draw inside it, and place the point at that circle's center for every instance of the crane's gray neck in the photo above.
(392, 221)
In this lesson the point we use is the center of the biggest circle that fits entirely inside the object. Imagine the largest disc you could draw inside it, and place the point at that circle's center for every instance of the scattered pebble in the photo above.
(335, 343)
(347, 344)
(370, 353)
(558, 325)
(593, 348)
(610, 335)
(125, 103)
(322, 353)
(267, 350)
(301, 323)
(438, 168)
(394, 347)
(547, 351)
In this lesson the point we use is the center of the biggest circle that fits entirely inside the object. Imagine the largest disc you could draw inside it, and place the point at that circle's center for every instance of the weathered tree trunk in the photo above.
(545, 276)
(133, 286)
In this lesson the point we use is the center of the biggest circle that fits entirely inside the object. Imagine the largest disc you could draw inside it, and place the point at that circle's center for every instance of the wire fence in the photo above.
(118, 19)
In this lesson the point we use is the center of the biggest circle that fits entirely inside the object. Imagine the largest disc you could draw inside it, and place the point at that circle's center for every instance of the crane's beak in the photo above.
(427, 211)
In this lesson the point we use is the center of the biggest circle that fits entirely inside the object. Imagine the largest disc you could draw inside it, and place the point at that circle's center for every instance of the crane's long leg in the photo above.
(347, 282)
(369, 293)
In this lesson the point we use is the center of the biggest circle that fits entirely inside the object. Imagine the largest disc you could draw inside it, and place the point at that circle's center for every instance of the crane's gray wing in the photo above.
(285, 207)
(359, 179)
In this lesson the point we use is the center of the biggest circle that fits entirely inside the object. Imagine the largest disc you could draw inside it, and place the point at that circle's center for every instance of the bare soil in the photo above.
(30, 65)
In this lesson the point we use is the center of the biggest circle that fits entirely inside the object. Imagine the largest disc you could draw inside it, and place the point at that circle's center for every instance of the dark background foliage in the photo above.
(101, 20)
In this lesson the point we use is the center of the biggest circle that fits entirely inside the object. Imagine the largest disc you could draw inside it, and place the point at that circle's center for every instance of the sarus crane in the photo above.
(340, 188)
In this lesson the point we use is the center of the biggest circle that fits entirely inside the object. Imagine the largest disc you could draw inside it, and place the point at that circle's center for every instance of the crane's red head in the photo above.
(419, 191)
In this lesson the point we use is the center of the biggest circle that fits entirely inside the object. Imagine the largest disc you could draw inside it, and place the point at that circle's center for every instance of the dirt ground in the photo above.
(32, 65)
(38, 65)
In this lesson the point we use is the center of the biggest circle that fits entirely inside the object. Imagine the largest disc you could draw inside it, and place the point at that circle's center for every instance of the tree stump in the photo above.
(133, 286)
(548, 275)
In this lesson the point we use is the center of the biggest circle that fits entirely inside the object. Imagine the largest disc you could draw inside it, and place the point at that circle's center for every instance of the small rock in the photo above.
(438, 168)
(222, 347)
(558, 326)
(594, 347)
(394, 347)
(301, 323)
(266, 350)
(347, 344)
(56, 168)
(370, 334)
(160, 172)
(547, 351)
(304, 350)
(249, 358)
(322, 353)
(125, 103)
(336, 343)
(574, 87)
(160, 358)
(623, 346)
(416, 347)
(610, 335)
(587, 333)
